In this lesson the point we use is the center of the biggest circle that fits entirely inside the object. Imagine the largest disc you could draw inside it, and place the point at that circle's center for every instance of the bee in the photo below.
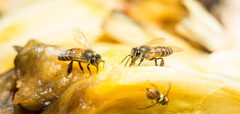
(154, 94)
(151, 51)
(85, 55)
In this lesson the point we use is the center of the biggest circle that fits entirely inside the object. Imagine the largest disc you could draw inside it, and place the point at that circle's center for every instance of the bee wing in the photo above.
(55, 52)
(156, 41)
(64, 52)
(176, 49)
(81, 38)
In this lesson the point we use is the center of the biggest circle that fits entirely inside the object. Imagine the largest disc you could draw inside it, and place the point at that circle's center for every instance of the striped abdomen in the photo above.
(161, 51)
(71, 54)
(152, 93)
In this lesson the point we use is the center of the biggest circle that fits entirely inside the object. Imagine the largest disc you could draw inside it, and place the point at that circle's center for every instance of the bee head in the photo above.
(95, 59)
(164, 101)
(135, 54)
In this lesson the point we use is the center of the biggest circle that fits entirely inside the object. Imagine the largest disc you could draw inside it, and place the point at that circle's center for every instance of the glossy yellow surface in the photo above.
(123, 90)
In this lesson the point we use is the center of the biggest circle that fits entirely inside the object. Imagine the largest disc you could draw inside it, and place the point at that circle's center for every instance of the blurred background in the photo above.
(208, 26)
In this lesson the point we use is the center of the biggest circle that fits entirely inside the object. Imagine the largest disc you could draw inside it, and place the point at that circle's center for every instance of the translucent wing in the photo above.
(55, 52)
(155, 42)
(175, 49)
(81, 38)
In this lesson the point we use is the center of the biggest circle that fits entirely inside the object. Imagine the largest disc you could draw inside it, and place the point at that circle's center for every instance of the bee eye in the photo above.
(138, 53)
(93, 60)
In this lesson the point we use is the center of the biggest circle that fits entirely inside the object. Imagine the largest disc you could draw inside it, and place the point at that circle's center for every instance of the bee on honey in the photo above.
(154, 94)
(85, 55)
(151, 51)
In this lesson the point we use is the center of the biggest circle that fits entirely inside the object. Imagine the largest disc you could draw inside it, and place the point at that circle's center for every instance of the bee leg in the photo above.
(89, 69)
(162, 62)
(81, 66)
(97, 68)
(141, 61)
(69, 68)
(155, 61)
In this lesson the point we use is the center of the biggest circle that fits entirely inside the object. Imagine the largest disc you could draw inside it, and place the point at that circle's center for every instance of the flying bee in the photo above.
(80, 55)
(154, 94)
(151, 51)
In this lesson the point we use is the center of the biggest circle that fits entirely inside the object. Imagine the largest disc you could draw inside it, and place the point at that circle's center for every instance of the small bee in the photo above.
(79, 55)
(154, 94)
(151, 51)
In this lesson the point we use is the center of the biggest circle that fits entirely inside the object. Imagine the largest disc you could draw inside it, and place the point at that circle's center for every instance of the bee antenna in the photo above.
(154, 86)
(168, 88)
(127, 61)
(125, 58)
(147, 106)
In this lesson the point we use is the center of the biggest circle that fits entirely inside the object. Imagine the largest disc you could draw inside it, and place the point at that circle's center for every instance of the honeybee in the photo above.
(85, 55)
(151, 51)
(154, 94)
